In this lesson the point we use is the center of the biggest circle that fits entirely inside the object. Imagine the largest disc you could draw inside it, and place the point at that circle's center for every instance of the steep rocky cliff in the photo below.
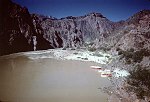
(17, 30)
(133, 33)
(74, 31)
(136, 32)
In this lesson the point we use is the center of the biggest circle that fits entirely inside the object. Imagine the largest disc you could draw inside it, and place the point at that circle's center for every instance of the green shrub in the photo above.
(139, 82)
(128, 61)
(138, 55)
(97, 54)
(107, 56)
(145, 52)
(84, 58)
(135, 56)
(75, 53)
(105, 48)
(127, 54)
(125, 32)
(120, 52)
(118, 49)
(131, 50)
(92, 49)
(88, 44)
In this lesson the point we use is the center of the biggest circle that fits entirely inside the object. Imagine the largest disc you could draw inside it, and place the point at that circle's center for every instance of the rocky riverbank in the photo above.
(106, 61)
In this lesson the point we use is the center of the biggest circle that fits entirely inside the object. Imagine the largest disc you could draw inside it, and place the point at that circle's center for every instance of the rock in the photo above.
(18, 28)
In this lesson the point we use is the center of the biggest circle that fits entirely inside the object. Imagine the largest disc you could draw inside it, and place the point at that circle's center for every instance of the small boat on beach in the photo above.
(106, 73)
(97, 68)
(102, 71)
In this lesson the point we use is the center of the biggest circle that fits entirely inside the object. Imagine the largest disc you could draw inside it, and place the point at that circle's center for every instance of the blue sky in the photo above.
(114, 10)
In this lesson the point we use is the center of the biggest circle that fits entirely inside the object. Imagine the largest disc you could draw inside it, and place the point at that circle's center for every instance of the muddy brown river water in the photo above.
(50, 80)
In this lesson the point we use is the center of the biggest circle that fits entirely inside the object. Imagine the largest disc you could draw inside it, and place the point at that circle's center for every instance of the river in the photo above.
(50, 80)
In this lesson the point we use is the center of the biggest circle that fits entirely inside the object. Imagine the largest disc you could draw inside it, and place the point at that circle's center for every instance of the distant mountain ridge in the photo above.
(22, 31)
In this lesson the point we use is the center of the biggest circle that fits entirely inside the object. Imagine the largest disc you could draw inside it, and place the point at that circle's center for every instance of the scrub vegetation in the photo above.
(133, 56)
(139, 82)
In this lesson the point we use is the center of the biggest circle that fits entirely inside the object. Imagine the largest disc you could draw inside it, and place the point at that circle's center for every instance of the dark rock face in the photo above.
(15, 24)
(16, 29)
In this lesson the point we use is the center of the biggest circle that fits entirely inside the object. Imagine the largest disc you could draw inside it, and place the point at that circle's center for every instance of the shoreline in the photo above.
(102, 59)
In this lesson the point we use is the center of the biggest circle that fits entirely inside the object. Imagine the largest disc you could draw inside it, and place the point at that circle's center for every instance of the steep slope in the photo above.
(136, 32)
(74, 31)
(43, 29)
(133, 33)
(17, 30)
